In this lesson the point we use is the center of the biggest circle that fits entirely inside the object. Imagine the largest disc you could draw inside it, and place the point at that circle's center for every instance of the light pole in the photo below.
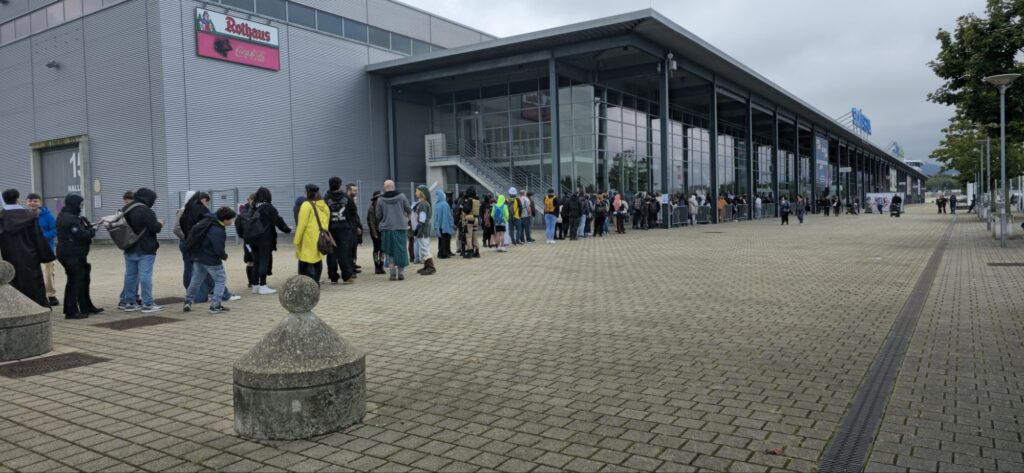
(1002, 81)
(984, 184)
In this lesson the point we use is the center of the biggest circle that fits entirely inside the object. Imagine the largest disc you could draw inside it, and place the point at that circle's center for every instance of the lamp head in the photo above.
(1001, 79)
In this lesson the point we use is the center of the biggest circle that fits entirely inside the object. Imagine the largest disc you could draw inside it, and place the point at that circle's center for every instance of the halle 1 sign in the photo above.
(231, 39)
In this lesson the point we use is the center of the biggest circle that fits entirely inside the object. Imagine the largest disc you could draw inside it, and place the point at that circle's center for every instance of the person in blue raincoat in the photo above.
(444, 225)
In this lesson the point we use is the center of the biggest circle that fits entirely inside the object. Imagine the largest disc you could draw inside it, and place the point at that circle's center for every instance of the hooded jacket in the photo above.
(500, 211)
(211, 252)
(443, 221)
(143, 222)
(393, 211)
(48, 225)
(74, 232)
(423, 213)
(307, 231)
(22, 244)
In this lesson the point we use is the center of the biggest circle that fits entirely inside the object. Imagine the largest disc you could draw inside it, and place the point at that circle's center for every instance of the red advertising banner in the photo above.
(237, 40)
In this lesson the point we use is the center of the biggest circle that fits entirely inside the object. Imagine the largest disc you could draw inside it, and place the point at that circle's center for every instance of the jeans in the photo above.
(525, 236)
(199, 274)
(800, 215)
(313, 270)
(138, 274)
(549, 226)
(208, 282)
(581, 231)
(515, 231)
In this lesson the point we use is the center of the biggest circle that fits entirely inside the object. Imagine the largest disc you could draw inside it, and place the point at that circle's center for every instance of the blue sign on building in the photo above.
(860, 121)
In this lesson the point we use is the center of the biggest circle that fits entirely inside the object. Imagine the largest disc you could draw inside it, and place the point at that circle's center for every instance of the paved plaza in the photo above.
(733, 347)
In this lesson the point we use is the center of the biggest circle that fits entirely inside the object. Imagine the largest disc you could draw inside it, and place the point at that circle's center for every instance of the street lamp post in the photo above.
(1002, 81)
(986, 204)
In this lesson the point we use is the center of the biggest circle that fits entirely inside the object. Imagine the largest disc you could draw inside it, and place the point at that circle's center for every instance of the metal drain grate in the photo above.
(169, 300)
(1004, 265)
(848, 449)
(712, 232)
(49, 364)
(137, 322)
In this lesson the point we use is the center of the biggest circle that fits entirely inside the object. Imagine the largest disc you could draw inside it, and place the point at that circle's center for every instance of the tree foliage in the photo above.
(942, 182)
(960, 150)
(977, 48)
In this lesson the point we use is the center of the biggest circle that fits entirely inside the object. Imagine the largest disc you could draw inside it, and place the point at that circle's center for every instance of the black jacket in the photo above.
(22, 244)
(572, 207)
(271, 218)
(211, 252)
(191, 216)
(344, 214)
(74, 234)
(143, 222)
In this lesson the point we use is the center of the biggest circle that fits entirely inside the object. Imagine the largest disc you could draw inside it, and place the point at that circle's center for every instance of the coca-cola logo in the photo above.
(243, 29)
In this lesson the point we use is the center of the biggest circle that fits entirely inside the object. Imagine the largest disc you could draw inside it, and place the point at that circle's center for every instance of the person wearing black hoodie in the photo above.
(74, 236)
(22, 244)
(140, 257)
(342, 226)
(263, 245)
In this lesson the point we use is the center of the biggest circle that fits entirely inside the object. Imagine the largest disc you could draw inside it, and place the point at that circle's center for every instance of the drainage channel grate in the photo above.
(712, 232)
(137, 322)
(49, 364)
(848, 450)
(1006, 265)
(169, 300)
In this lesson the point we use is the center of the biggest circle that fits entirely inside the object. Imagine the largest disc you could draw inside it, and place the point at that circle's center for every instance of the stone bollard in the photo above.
(302, 379)
(24, 325)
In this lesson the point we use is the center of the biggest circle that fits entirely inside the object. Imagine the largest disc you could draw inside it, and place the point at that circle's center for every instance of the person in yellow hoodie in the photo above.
(313, 217)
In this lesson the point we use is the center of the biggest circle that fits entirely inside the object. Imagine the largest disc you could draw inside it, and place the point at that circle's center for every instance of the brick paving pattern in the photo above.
(666, 350)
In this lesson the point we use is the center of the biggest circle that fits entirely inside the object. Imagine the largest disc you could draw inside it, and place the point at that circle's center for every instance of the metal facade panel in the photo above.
(238, 122)
(118, 91)
(170, 135)
(37, 4)
(59, 92)
(412, 122)
(16, 115)
(154, 39)
(13, 9)
(399, 18)
(329, 109)
(449, 35)
(352, 9)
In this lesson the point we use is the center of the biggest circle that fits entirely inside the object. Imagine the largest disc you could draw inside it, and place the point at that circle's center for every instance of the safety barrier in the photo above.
(704, 214)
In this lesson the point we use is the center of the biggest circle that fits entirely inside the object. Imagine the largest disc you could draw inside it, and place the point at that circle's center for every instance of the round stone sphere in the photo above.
(300, 294)
(6, 273)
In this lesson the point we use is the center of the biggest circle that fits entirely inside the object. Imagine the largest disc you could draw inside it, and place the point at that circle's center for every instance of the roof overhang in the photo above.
(645, 30)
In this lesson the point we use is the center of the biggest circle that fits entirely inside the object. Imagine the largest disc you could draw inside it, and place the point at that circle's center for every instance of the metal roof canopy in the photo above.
(645, 30)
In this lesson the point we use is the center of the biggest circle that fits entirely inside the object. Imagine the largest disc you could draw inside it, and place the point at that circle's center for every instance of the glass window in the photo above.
(243, 4)
(419, 47)
(402, 44)
(22, 27)
(55, 14)
(38, 20)
(379, 37)
(301, 15)
(355, 30)
(272, 8)
(89, 6)
(330, 23)
(72, 9)
(7, 32)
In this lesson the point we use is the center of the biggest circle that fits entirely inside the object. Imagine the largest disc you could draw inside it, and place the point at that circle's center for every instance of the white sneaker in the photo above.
(266, 290)
(235, 298)
(149, 309)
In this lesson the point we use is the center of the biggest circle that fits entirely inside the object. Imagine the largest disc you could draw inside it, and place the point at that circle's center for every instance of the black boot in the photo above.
(476, 253)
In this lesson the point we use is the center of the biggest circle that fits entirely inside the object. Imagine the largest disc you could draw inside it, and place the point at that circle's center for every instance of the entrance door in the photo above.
(61, 173)
(469, 136)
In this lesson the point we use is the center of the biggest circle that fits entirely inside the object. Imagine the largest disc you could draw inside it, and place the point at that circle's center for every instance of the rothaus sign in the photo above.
(231, 39)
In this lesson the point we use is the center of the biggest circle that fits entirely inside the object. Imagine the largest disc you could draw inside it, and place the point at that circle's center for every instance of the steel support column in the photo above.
(390, 104)
(663, 112)
(750, 159)
(713, 149)
(775, 161)
(555, 144)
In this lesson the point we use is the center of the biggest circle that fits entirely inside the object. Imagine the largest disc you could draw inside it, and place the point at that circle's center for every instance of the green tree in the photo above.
(940, 182)
(960, 150)
(977, 48)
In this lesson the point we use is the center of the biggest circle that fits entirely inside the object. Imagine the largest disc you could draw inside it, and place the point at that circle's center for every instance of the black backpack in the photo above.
(250, 225)
(194, 240)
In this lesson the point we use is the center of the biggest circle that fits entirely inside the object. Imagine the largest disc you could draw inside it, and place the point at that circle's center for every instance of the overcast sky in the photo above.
(871, 54)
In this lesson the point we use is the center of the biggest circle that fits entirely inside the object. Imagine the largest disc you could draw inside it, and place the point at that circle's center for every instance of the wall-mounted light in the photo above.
(53, 65)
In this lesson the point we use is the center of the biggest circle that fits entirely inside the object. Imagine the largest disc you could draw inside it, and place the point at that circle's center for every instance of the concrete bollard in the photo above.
(302, 379)
(24, 325)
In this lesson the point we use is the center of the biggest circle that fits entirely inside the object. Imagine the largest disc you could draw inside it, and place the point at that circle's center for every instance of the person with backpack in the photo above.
(571, 216)
(22, 244)
(470, 218)
(246, 249)
(443, 225)
(342, 212)
(310, 229)
(259, 228)
(373, 225)
(527, 217)
(515, 223)
(74, 235)
(784, 209)
(141, 227)
(208, 256)
(550, 216)
(600, 213)
(500, 214)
